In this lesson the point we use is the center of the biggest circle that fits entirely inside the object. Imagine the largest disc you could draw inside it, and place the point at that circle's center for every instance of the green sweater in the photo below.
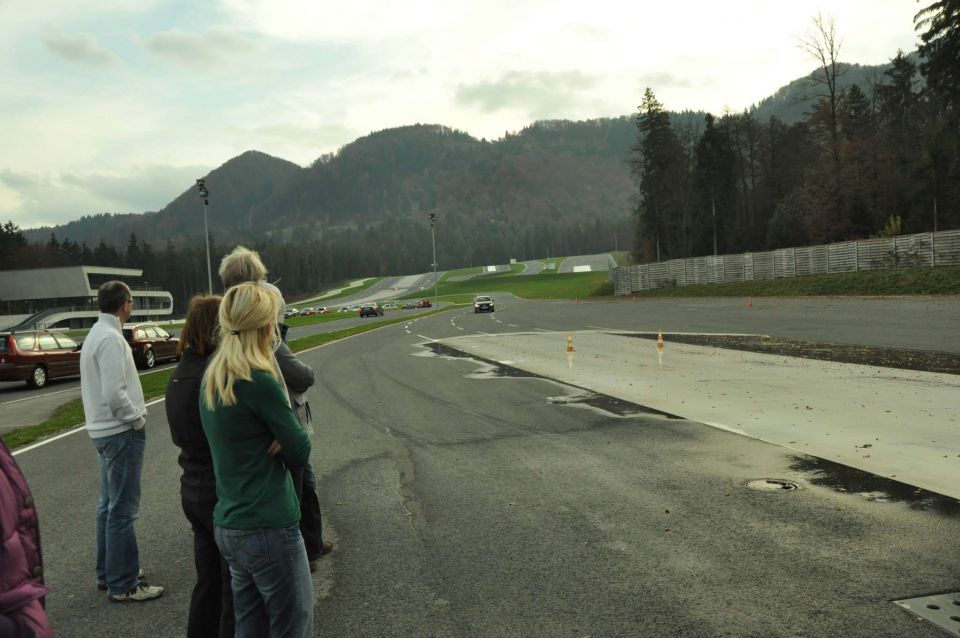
(254, 490)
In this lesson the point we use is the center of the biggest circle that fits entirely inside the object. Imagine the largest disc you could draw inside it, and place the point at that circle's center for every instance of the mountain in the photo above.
(236, 188)
(791, 102)
(557, 179)
(560, 174)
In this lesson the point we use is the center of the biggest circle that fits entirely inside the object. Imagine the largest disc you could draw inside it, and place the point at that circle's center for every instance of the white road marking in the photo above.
(155, 401)
(40, 396)
(77, 389)
(79, 428)
(513, 325)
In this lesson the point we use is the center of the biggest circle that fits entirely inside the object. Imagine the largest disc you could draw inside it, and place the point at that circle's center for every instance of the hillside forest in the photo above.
(876, 151)
(878, 159)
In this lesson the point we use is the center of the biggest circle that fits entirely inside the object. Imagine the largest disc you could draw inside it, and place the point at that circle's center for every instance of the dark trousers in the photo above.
(211, 605)
(305, 484)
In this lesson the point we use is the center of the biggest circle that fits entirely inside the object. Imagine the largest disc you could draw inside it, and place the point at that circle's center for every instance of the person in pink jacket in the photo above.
(21, 565)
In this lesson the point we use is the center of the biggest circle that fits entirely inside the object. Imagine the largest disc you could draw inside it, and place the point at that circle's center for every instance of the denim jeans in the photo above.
(272, 588)
(121, 460)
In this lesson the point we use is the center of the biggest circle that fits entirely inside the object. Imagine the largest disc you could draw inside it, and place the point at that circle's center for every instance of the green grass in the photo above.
(622, 257)
(914, 281)
(154, 384)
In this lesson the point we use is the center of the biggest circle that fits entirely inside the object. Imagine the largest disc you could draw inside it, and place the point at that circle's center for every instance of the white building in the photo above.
(67, 297)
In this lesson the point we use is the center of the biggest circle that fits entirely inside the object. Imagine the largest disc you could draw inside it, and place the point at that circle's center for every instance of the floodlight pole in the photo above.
(433, 238)
(205, 196)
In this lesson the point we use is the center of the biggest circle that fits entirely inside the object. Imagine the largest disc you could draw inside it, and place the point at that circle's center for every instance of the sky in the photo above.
(117, 106)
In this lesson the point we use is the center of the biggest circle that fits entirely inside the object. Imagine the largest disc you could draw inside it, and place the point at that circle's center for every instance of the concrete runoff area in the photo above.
(899, 424)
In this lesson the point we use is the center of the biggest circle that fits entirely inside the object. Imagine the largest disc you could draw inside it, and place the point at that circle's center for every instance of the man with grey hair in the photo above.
(242, 265)
(115, 416)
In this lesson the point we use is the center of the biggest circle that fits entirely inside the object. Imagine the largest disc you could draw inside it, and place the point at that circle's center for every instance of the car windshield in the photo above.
(483, 298)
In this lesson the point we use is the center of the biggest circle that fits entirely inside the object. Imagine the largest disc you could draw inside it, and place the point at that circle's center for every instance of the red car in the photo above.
(150, 343)
(424, 303)
(35, 356)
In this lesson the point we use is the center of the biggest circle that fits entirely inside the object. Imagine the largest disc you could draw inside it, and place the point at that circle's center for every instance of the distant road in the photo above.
(587, 263)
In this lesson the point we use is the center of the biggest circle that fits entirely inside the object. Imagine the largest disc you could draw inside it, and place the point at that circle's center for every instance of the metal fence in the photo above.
(922, 250)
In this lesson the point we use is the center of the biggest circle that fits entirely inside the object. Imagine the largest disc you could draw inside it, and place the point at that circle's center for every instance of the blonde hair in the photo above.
(241, 265)
(248, 336)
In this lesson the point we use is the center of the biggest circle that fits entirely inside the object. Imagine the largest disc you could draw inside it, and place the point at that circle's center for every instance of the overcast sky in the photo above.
(118, 105)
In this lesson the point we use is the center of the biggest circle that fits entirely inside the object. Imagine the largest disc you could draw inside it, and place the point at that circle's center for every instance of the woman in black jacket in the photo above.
(211, 605)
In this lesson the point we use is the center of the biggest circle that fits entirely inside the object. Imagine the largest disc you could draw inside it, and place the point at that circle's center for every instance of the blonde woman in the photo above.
(248, 422)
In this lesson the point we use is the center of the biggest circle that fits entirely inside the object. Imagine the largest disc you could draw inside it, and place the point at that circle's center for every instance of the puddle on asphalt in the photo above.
(579, 398)
(838, 477)
(878, 489)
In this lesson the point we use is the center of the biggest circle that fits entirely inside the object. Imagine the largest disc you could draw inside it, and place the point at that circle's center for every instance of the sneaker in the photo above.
(138, 594)
(102, 584)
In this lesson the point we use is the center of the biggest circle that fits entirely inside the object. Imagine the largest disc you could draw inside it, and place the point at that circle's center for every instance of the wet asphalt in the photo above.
(465, 502)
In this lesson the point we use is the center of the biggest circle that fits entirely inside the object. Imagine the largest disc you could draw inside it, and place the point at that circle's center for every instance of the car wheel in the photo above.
(39, 377)
(149, 358)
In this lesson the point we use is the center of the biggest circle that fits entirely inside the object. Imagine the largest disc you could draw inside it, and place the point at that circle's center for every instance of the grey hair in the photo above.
(241, 265)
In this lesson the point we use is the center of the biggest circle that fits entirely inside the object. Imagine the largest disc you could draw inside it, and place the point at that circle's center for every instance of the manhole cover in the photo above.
(942, 610)
(772, 485)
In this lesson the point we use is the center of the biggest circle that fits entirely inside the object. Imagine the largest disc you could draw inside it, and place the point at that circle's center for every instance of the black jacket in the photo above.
(197, 484)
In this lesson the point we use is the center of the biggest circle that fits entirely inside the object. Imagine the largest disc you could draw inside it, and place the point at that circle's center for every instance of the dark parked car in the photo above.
(35, 356)
(424, 303)
(482, 303)
(150, 343)
(408, 306)
(371, 310)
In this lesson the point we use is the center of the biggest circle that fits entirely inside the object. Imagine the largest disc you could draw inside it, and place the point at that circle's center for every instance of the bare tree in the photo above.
(822, 44)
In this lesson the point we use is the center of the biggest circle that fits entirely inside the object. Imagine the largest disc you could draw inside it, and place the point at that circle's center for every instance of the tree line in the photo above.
(880, 159)
(392, 247)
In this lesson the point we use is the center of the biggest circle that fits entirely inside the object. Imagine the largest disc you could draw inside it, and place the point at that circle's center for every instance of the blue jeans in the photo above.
(272, 588)
(121, 460)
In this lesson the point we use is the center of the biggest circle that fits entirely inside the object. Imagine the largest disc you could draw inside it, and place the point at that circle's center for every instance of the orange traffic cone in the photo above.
(570, 343)
(660, 340)
(749, 302)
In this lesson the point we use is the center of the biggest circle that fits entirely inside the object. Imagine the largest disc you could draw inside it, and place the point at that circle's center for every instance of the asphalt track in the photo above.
(465, 501)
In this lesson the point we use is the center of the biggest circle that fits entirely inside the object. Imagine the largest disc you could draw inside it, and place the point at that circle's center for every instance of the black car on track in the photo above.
(482, 303)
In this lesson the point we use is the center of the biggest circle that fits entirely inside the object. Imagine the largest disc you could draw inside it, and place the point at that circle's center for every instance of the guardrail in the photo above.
(922, 250)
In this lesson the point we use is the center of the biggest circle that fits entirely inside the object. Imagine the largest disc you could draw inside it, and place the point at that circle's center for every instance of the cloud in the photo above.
(538, 93)
(81, 48)
(32, 200)
(667, 80)
(213, 48)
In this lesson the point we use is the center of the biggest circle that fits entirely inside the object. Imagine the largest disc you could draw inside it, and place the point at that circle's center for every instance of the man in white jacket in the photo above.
(115, 416)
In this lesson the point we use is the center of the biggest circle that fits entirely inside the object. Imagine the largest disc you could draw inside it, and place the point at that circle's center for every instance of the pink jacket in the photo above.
(21, 565)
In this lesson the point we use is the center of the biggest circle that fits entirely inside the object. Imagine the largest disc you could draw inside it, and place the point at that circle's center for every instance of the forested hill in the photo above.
(552, 175)
(791, 103)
